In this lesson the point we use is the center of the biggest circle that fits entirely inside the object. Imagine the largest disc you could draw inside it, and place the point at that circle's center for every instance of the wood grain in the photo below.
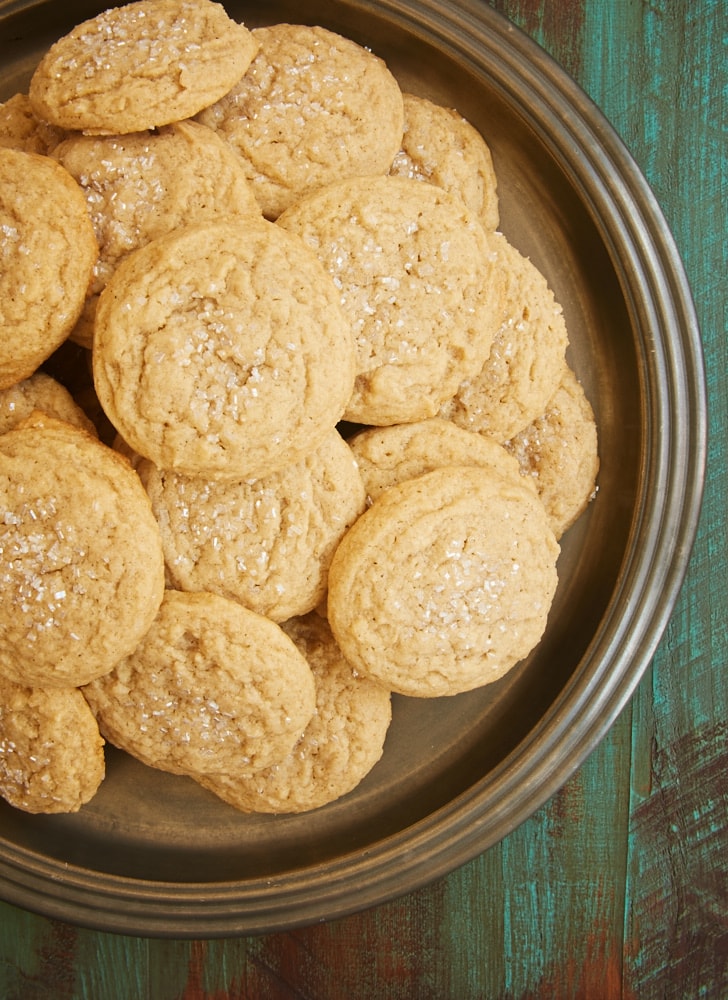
(617, 887)
(676, 921)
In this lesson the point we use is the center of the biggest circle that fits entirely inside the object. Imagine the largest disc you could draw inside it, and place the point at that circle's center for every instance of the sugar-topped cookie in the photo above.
(221, 350)
(339, 747)
(265, 542)
(21, 129)
(559, 453)
(51, 751)
(44, 393)
(47, 254)
(526, 359)
(211, 687)
(314, 107)
(441, 147)
(418, 281)
(445, 583)
(390, 455)
(81, 564)
(141, 186)
(140, 65)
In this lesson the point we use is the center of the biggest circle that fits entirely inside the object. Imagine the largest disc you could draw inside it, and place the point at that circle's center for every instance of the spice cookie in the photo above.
(140, 65)
(445, 583)
(339, 747)
(221, 350)
(141, 186)
(266, 542)
(418, 282)
(44, 393)
(51, 751)
(526, 358)
(47, 254)
(210, 685)
(559, 452)
(21, 129)
(390, 455)
(81, 566)
(313, 108)
(441, 147)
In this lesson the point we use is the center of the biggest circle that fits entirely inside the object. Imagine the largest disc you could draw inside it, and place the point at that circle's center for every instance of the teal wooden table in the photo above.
(618, 886)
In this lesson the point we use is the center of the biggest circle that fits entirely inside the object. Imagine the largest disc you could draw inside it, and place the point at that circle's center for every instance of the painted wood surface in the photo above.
(618, 886)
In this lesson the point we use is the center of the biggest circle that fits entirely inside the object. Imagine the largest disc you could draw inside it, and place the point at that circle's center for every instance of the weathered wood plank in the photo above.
(541, 914)
(393, 951)
(672, 113)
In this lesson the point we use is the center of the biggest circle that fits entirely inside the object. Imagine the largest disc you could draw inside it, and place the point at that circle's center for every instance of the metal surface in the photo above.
(154, 854)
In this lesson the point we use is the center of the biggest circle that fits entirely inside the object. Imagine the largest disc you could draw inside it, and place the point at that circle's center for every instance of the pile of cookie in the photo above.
(345, 438)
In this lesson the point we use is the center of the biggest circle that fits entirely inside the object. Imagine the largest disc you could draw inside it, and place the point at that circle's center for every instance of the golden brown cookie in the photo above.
(222, 351)
(526, 358)
(81, 566)
(140, 65)
(314, 107)
(47, 254)
(266, 542)
(141, 186)
(559, 452)
(51, 751)
(390, 455)
(44, 393)
(418, 283)
(21, 129)
(341, 744)
(210, 685)
(445, 583)
(441, 147)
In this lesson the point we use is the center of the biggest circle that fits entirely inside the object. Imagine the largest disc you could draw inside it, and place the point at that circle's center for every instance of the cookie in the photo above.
(47, 254)
(390, 455)
(314, 107)
(139, 66)
(221, 350)
(81, 565)
(526, 358)
(210, 685)
(418, 282)
(44, 393)
(141, 186)
(266, 542)
(440, 146)
(340, 746)
(445, 583)
(559, 453)
(21, 129)
(51, 751)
